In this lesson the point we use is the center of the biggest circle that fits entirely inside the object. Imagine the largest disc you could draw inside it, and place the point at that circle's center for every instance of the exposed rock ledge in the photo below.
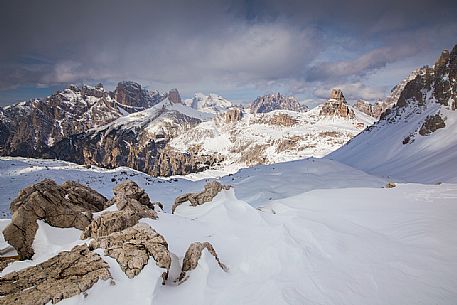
(67, 274)
(132, 248)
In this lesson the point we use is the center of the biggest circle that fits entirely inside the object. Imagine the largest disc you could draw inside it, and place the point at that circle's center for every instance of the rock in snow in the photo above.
(193, 255)
(67, 274)
(65, 206)
(211, 190)
(132, 248)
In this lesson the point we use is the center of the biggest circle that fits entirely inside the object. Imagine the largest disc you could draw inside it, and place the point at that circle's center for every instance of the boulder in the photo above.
(192, 256)
(211, 190)
(132, 247)
(65, 275)
(128, 196)
(69, 205)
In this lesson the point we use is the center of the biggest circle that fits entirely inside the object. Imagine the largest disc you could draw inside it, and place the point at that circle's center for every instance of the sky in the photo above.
(238, 49)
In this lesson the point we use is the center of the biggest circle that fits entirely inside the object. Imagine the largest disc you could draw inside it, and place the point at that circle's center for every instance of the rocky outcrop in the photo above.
(174, 96)
(373, 110)
(139, 143)
(133, 95)
(65, 275)
(337, 106)
(232, 115)
(132, 247)
(68, 205)
(129, 197)
(431, 124)
(276, 101)
(110, 222)
(211, 190)
(193, 255)
(279, 119)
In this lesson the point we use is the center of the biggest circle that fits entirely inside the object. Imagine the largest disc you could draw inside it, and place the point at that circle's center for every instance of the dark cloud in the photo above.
(222, 46)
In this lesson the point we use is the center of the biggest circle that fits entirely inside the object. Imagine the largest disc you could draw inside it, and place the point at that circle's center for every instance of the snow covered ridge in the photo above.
(416, 139)
(163, 136)
(244, 138)
(211, 103)
(310, 231)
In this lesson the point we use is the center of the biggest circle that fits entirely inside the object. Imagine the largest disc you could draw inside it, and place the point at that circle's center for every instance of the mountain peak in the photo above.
(174, 96)
(276, 101)
(337, 106)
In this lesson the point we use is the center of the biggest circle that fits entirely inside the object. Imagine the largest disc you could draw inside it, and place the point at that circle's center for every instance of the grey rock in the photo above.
(132, 248)
(211, 190)
(65, 206)
(65, 275)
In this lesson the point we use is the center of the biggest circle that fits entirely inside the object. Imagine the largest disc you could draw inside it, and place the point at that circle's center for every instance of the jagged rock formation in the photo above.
(431, 124)
(65, 275)
(133, 95)
(232, 115)
(174, 97)
(132, 248)
(193, 255)
(110, 222)
(276, 101)
(68, 205)
(128, 196)
(211, 190)
(29, 128)
(337, 106)
(138, 141)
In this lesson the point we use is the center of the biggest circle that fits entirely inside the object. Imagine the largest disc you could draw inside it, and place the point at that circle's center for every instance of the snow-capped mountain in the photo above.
(28, 128)
(245, 139)
(276, 101)
(211, 103)
(139, 141)
(416, 140)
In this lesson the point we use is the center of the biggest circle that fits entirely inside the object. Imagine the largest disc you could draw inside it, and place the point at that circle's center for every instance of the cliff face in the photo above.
(415, 138)
(139, 141)
(337, 106)
(268, 103)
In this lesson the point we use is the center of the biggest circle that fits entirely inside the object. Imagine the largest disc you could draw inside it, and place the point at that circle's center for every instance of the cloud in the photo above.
(218, 46)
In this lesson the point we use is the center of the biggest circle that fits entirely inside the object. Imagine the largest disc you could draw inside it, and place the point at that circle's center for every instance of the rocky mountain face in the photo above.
(276, 101)
(379, 107)
(29, 128)
(139, 141)
(244, 138)
(133, 95)
(337, 106)
(416, 134)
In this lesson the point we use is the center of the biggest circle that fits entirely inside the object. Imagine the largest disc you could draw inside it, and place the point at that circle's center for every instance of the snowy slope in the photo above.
(310, 245)
(211, 103)
(272, 137)
(417, 140)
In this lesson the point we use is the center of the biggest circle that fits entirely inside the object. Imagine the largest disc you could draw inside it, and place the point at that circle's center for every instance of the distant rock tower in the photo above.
(337, 106)
(174, 97)
(337, 94)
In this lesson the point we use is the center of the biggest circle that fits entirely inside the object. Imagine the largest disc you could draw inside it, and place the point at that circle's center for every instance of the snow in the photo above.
(426, 159)
(314, 136)
(304, 232)
(211, 103)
